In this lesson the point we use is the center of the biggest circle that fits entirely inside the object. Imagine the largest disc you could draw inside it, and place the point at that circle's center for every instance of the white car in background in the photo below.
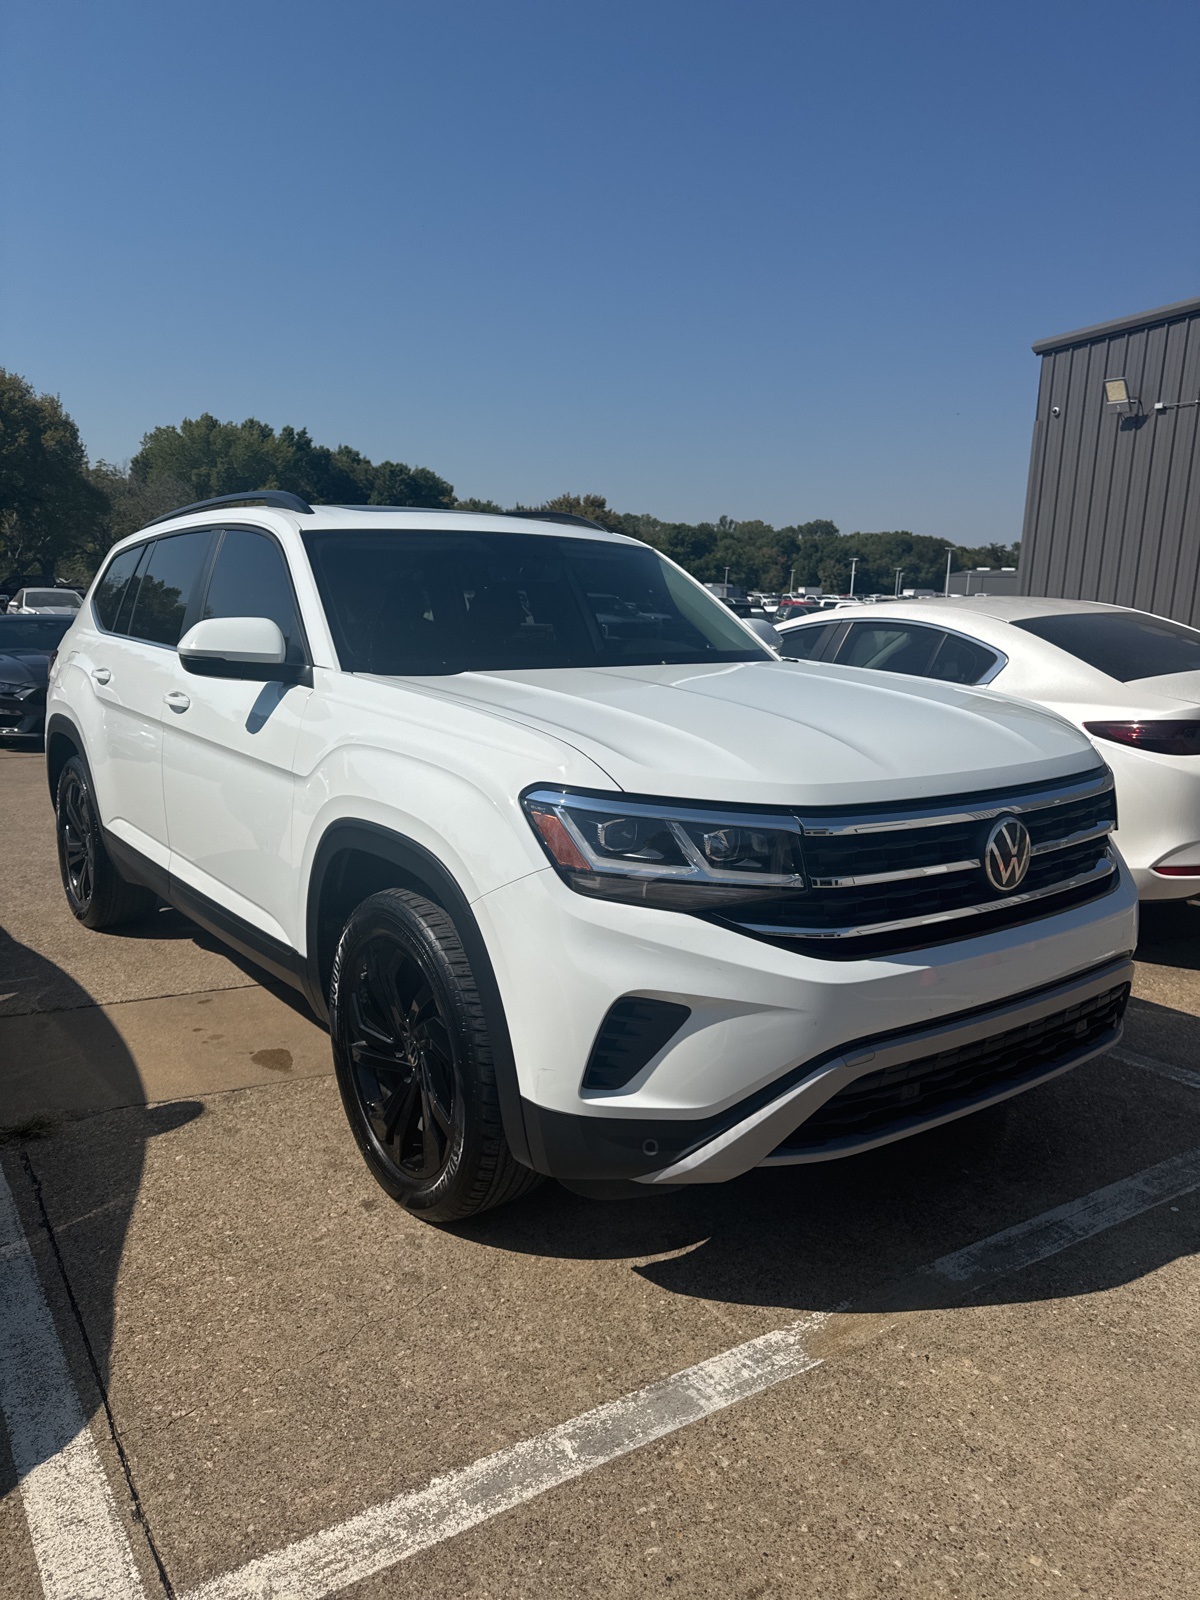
(1130, 680)
(45, 603)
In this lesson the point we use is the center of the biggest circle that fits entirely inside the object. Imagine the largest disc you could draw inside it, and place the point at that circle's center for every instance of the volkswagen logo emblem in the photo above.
(1006, 854)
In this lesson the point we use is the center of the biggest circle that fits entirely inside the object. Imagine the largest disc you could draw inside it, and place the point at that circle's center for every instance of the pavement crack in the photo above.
(135, 1498)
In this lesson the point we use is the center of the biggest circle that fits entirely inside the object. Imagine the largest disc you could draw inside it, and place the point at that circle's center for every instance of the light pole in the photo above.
(727, 577)
(792, 582)
(949, 559)
(899, 575)
(853, 569)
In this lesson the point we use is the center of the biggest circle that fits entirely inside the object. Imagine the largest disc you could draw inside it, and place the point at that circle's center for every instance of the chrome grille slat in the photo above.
(1103, 869)
(903, 820)
(1100, 831)
(863, 880)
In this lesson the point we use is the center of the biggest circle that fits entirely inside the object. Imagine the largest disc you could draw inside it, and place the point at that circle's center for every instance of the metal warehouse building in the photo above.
(1113, 509)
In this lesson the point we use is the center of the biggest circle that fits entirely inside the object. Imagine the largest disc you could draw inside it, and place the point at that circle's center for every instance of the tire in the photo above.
(414, 1061)
(97, 894)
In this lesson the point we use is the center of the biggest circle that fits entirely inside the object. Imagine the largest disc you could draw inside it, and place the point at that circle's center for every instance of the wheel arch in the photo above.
(355, 859)
(63, 740)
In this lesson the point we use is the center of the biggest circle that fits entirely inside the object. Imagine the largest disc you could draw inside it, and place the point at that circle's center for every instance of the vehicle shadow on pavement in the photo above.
(88, 1107)
(861, 1232)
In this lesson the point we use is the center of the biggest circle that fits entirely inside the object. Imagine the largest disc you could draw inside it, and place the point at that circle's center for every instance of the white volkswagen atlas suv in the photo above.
(587, 882)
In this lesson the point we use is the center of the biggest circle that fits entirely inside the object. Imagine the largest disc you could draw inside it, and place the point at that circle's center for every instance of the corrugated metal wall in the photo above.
(1113, 508)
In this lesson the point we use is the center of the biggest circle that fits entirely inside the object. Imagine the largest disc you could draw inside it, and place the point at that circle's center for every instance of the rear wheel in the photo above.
(414, 1061)
(97, 894)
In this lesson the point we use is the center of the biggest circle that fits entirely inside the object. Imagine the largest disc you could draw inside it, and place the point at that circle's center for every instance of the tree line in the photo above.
(59, 513)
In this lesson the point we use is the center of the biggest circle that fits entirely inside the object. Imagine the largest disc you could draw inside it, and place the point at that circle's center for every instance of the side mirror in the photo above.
(236, 647)
(766, 631)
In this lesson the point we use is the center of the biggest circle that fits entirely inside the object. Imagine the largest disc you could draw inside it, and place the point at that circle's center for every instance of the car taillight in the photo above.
(1163, 738)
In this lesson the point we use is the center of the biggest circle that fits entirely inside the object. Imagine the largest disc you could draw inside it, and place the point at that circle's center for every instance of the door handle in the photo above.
(101, 674)
(177, 700)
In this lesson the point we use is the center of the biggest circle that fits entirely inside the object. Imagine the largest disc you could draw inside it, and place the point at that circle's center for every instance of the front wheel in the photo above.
(414, 1061)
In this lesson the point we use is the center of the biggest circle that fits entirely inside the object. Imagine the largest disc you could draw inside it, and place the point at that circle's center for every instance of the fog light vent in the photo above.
(632, 1033)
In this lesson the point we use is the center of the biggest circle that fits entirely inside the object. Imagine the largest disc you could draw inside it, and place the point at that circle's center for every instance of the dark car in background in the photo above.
(26, 645)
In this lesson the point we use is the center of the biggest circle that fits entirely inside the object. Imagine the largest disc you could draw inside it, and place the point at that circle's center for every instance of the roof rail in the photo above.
(557, 516)
(280, 499)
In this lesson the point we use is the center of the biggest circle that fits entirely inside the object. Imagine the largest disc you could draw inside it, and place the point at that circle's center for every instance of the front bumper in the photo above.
(771, 1035)
(22, 717)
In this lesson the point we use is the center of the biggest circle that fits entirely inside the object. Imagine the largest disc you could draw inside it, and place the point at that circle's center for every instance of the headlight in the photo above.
(18, 691)
(680, 857)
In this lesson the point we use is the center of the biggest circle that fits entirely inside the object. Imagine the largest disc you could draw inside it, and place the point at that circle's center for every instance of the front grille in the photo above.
(884, 880)
(882, 1102)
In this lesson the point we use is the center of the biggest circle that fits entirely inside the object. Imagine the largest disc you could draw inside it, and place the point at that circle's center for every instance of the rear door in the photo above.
(228, 745)
(127, 658)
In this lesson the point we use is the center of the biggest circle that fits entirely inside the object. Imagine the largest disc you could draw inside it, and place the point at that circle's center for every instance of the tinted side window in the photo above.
(801, 644)
(1124, 644)
(961, 660)
(168, 585)
(250, 579)
(110, 591)
(888, 646)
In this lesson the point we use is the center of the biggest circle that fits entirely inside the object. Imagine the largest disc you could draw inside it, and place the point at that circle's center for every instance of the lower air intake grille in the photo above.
(632, 1033)
(879, 1102)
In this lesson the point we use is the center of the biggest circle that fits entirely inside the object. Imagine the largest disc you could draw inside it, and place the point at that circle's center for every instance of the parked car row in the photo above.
(42, 603)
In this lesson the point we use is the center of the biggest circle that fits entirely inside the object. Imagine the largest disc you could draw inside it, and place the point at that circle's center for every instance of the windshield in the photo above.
(1122, 644)
(52, 597)
(31, 633)
(402, 602)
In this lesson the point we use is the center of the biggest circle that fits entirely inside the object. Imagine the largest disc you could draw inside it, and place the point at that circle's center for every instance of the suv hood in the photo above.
(782, 732)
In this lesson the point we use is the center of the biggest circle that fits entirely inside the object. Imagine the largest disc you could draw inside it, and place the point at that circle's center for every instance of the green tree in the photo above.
(51, 512)
(210, 457)
(132, 503)
(592, 506)
(475, 504)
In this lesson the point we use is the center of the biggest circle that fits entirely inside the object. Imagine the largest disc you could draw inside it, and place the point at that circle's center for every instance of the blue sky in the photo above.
(761, 259)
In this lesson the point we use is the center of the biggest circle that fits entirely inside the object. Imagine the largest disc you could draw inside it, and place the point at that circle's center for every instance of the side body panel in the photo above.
(228, 786)
(114, 688)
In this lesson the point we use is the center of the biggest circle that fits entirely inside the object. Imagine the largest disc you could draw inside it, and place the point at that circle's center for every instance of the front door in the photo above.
(228, 745)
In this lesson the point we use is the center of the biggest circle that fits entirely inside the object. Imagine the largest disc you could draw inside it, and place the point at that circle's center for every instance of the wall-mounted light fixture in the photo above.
(1117, 396)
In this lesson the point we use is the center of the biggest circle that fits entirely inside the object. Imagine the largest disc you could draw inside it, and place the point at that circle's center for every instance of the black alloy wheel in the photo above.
(412, 1049)
(77, 840)
(402, 1060)
(97, 894)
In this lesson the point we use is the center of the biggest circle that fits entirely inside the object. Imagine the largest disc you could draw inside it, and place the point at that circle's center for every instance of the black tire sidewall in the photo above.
(402, 918)
(73, 770)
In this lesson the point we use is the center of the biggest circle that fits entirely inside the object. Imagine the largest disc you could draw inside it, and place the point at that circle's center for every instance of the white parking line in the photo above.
(78, 1542)
(1044, 1236)
(1164, 1069)
(379, 1538)
(374, 1540)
